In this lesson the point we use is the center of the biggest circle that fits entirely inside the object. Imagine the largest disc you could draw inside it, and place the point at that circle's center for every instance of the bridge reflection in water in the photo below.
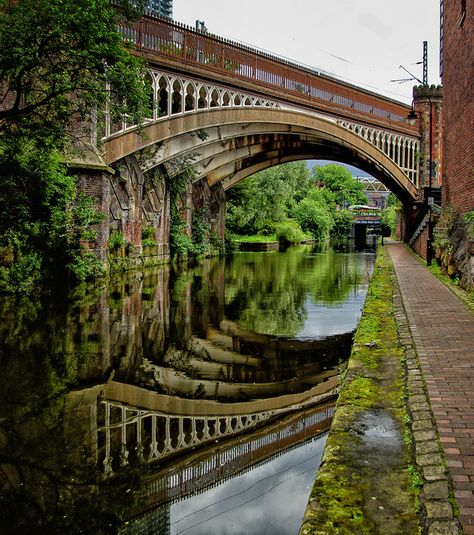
(178, 361)
(129, 435)
(214, 466)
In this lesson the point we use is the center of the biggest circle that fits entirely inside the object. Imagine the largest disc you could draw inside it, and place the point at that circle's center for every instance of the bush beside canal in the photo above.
(364, 484)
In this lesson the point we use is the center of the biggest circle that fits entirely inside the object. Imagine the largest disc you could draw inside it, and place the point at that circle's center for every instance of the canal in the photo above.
(166, 401)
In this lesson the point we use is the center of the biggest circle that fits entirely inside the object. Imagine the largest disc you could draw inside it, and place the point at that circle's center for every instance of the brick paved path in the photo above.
(443, 332)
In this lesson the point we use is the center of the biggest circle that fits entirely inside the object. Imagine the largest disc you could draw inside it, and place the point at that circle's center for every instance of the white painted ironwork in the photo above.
(174, 95)
(402, 150)
(127, 432)
(372, 184)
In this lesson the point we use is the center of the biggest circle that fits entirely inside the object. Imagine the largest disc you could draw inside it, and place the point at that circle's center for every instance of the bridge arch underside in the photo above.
(228, 146)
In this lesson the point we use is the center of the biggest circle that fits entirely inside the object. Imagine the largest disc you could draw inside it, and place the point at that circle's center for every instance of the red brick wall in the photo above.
(420, 245)
(458, 105)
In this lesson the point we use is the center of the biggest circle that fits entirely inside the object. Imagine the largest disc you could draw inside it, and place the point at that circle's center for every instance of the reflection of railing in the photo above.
(209, 469)
(129, 435)
(178, 43)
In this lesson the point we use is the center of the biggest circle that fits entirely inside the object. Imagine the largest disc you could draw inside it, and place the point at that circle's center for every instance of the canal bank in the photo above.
(383, 469)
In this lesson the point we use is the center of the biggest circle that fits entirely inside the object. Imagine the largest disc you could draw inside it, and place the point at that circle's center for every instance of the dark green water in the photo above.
(76, 449)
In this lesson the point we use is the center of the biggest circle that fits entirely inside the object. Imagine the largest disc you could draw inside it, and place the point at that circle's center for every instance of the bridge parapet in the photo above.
(401, 149)
(174, 94)
(215, 465)
(175, 45)
(129, 434)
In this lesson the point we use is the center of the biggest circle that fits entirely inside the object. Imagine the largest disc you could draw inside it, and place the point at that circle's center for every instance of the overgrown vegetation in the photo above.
(61, 62)
(296, 205)
(452, 236)
(198, 239)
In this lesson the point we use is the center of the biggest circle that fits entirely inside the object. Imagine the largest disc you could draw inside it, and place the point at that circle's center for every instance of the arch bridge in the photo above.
(231, 110)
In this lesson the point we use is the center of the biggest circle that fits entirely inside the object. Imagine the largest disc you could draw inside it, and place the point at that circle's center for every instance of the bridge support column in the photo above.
(136, 210)
(420, 222)
(427, 103)
(95, 183)
(210, 201)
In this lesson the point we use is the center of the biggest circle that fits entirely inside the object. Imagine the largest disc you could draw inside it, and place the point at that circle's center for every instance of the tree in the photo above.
(347, 190)
(314, 218)
(389, 215)
(343, 221)
(61, 61)
(266, 198)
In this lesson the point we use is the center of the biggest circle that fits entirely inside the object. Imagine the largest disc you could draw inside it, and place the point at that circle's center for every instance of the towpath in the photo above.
(442, 328)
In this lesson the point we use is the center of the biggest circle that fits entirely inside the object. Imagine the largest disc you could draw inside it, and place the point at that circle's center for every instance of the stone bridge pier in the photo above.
(210, 201)
(136, 208)
(420, 217)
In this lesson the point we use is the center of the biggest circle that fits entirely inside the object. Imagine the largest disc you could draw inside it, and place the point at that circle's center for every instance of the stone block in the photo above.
(436, 509)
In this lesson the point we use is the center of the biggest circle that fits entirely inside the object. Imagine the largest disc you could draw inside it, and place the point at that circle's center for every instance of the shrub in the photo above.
(343, 221)
(469, 221)
(116, 240)
(290, 232)
(314, 219)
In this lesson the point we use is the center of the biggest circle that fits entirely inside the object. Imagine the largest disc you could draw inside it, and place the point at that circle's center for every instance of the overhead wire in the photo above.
(306, 460)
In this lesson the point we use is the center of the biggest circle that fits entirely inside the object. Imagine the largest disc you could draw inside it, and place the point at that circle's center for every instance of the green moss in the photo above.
(342, 505)
(360, 391)
(354, 471)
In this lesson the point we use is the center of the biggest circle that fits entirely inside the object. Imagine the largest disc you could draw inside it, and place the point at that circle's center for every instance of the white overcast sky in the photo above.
(361, 41)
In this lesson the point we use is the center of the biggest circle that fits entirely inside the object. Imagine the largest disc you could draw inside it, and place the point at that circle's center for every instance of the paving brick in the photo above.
(437, 509)
(442, 330)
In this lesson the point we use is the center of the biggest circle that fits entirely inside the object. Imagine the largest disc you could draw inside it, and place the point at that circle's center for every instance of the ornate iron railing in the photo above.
(181, 44)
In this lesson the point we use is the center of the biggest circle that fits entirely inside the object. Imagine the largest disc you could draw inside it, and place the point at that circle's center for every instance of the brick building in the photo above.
(455, 246)
(160, 8)
(457, 74)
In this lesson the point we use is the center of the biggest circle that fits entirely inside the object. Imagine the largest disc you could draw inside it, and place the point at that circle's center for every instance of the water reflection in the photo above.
(280, 294)
(183, 359)
(265, 501)
(273, 464)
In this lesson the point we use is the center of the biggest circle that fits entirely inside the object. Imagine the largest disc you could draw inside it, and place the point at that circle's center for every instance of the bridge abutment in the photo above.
(136, 206)
(420, 218)
(211, 202)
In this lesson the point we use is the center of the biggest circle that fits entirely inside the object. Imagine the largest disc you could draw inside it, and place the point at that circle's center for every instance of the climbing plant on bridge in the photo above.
(61, 62)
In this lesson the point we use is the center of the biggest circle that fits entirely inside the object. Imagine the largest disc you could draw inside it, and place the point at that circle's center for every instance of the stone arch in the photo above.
(177, 97)
(165, 140)
(163, 95)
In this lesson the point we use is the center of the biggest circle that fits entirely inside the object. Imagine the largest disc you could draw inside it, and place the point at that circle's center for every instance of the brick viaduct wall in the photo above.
(136, 206)
(420, 245)
(457, 73)
(458, 104)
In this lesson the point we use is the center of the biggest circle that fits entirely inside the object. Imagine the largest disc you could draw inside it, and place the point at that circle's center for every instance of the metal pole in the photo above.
(429, 246)
(425, 63)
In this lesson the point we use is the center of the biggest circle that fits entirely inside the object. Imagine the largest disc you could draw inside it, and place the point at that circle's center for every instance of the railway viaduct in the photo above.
(229, 111)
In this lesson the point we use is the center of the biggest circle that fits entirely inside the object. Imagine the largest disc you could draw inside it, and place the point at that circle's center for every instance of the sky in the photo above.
(361, 41)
